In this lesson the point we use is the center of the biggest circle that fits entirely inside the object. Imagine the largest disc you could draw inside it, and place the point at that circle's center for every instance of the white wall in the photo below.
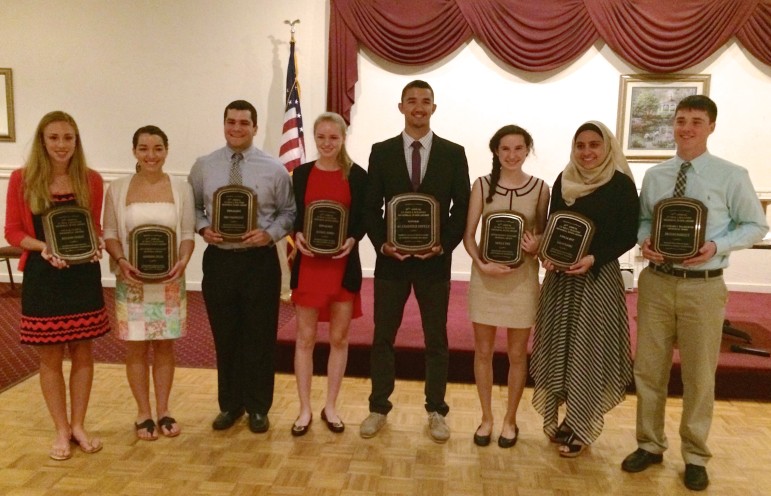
(119, 64)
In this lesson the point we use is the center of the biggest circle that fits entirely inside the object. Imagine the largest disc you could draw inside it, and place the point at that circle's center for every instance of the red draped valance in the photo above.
(655, 35)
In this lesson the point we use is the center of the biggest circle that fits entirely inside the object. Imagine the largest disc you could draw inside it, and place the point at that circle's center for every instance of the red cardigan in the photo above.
(18, 216)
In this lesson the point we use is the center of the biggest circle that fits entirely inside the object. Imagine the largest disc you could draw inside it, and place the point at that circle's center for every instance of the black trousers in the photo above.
(241, 290)
(390, 298)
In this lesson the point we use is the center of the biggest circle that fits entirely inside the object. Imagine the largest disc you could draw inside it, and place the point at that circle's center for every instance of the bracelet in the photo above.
(117, 261)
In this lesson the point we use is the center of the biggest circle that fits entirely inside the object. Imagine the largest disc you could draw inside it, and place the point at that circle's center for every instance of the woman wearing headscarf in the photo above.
(581, 352)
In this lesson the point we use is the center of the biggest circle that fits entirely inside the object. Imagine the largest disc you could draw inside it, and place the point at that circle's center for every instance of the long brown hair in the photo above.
(38, 172)
(343, 159)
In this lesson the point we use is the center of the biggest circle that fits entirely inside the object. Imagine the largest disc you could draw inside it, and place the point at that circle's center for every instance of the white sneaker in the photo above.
(372, 425)
(437, 427)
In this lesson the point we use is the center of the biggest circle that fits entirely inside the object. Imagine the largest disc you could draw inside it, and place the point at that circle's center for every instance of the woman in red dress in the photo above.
(326, 289)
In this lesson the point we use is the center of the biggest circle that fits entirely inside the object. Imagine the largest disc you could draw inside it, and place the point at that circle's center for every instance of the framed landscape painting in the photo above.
(646, 108)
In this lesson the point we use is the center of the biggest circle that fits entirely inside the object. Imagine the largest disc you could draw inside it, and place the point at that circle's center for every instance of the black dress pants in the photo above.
(241, 289)
(390, 298)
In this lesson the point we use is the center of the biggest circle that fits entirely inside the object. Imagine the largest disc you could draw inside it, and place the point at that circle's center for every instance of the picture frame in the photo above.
(646, 109)
(7, 125)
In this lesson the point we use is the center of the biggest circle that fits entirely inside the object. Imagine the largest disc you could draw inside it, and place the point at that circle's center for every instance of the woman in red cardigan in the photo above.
(62, 306)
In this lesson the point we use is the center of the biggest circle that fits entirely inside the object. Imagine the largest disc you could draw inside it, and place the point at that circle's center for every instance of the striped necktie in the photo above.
(235, 169)
(677, 193)
(681, 179)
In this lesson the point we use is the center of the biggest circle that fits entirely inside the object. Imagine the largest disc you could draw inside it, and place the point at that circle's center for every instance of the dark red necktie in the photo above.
(415, 165)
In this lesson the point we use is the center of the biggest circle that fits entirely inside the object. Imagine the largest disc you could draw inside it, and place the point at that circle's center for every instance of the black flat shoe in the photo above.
(696, 478)
(480, 440)
(258, 423)
(505, 442)
(336, 427)
(301, 430)
(225, 420)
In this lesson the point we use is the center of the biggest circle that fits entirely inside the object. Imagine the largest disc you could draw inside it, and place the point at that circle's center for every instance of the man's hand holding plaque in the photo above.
(566, 241)
(70, 236)
(412, 221)
(678, 229)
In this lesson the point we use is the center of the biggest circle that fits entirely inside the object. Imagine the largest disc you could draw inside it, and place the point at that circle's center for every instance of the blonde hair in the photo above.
(38, 172)
(343, 159)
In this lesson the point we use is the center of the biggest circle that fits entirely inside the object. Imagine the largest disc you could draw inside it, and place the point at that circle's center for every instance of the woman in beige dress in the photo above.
(502, 296)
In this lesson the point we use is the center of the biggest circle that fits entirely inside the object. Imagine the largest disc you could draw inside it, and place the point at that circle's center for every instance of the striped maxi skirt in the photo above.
(581, 351)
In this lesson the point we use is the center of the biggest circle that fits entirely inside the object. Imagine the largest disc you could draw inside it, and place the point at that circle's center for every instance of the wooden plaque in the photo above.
(70, 234)
(325, 227)
(502, 237)
(567, 239)
(153, 251)
(412, 221)
(234, 212)
(678, 229)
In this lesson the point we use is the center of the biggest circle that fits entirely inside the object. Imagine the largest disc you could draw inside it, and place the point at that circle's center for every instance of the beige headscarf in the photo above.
(578, 181)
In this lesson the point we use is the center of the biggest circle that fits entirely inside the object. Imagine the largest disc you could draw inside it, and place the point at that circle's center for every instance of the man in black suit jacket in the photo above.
(441, 170)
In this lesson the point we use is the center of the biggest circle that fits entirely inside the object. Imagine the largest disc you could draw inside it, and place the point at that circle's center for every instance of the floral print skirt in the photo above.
(146, 312)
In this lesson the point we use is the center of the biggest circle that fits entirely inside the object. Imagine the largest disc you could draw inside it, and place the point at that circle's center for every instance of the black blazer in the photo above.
(446, 179)
(357, 182)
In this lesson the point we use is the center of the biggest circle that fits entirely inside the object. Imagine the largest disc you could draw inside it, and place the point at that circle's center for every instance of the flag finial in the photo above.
(291, 25)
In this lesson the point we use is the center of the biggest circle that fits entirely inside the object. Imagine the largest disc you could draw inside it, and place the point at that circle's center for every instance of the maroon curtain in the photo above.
(655, 35)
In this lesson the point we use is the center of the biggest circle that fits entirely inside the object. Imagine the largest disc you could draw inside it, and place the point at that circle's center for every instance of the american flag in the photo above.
(292, 151)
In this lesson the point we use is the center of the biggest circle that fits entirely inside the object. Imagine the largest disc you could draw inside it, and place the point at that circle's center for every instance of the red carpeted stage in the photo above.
(740, 376)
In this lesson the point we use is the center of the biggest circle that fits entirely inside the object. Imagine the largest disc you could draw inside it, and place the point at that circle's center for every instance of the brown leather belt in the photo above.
(688, 274)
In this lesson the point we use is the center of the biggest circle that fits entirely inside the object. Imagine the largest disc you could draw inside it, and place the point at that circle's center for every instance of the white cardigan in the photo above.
(114, 221)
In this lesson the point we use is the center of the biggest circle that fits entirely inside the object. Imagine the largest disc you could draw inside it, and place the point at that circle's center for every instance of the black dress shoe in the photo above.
(480, 440)
(258, 422)
(336, 427)
(640, 460)
(225, 420)
(301, 430)
(505, 442)
(696, 478)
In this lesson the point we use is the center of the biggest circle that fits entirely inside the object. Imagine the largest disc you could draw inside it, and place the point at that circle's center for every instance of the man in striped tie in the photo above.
(684, 303)
(241, 274)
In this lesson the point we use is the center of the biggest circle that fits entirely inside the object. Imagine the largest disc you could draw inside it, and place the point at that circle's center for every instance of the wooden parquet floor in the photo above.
(401, 460)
